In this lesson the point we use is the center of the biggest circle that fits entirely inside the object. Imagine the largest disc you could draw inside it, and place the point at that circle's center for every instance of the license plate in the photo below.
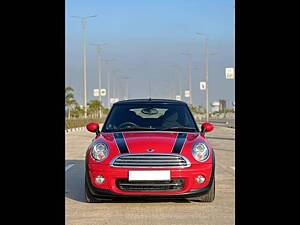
(143, 175)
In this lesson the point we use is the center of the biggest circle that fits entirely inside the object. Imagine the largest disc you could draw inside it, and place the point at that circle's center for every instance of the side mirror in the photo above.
(206, 127)
(93, 127)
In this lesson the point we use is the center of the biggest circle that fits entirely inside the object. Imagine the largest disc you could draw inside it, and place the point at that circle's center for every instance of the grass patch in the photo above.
(74, 123)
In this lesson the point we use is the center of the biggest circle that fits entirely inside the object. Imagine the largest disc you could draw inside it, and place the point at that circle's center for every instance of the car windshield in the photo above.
(147, 117)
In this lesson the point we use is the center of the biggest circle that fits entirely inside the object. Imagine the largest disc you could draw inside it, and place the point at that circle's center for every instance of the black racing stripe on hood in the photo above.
(179, 143)
(121, 143)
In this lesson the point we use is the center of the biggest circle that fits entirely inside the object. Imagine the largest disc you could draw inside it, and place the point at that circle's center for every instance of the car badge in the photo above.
(150, 150)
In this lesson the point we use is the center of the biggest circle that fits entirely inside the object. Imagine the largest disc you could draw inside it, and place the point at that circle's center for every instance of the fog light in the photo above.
(200, 179)
(100, 179)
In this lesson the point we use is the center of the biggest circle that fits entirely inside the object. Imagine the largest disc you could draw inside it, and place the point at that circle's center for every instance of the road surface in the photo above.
(151, 212)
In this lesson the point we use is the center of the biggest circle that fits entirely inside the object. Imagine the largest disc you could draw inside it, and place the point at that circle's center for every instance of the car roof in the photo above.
(150, 101)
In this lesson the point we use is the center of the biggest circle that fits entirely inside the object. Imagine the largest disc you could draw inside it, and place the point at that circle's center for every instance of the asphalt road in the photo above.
(151, 212)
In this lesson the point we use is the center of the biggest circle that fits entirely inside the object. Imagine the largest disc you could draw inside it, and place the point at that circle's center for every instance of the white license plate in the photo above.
(135, 175)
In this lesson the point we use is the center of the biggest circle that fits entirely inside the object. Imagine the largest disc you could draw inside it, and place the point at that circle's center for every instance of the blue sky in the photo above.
(146, 38)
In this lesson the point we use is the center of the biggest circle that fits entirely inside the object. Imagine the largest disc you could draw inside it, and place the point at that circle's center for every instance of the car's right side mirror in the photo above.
(206, 127)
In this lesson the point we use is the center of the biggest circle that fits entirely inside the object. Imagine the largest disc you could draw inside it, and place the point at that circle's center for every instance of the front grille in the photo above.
(150, 186)
(150, 160)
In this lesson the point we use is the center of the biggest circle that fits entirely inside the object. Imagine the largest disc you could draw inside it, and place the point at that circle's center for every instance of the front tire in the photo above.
(209, 196)
(88, 196)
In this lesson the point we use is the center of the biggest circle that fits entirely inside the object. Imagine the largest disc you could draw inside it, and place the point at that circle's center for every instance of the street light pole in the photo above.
(99, 77)
(114, 79)
(149, 87)
(108, 81)
(178, 79)
(84, 26)
(206, 74)
(190, 78)
(190, 74)
(108, 90)
(98, 49)
(127, 87)
(83, 23)
(206, 80)
(180, 88)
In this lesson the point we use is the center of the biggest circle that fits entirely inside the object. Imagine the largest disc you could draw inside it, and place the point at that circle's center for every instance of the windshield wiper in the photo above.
(180, 128)
(133, 128)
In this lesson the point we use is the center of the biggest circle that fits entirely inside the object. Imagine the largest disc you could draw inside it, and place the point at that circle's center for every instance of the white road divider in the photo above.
(77, 129)
(74, 129)
(68, 167)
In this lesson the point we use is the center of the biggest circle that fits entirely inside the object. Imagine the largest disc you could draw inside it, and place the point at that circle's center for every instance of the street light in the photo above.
(84, 25)
(178, 77)
(167, 88)
(127, 87)
(98, 49)
(190, 75)
(206, 72)
(114, 78)
(108, 81)
(117, 87)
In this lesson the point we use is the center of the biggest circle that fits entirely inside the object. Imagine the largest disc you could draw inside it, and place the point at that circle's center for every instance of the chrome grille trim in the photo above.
(150, 160)
(157, 161)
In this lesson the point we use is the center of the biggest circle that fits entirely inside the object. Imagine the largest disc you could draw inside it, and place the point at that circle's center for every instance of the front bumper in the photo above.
(109, 188)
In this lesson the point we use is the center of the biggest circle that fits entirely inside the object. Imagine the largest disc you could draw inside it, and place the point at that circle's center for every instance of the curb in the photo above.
(71, 130)
(74, 130)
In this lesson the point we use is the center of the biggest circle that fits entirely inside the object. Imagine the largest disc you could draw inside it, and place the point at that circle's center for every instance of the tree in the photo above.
(70, 102)
(94, 107)
(196, 109)
(77, 111)
(105, 111)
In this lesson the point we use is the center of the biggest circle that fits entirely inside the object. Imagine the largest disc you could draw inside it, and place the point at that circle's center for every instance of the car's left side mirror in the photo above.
(93, 127)
(206, 127)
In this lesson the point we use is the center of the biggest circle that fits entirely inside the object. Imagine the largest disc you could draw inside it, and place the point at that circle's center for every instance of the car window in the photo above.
(149, 117)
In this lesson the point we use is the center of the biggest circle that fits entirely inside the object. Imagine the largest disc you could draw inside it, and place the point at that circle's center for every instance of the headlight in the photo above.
(100, 151)
(200, 151)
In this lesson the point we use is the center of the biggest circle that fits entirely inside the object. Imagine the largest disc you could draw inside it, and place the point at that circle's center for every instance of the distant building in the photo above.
(215, 106)
(222, 105)
(218, 106)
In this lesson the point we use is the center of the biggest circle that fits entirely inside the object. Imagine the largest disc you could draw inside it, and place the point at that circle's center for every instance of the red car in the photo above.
(150, 148)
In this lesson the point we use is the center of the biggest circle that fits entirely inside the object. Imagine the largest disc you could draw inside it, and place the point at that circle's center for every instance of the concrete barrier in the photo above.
(77, 129)
(71, 130)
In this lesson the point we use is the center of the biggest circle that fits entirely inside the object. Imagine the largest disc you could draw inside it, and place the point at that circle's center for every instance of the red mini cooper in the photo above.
(150, 148)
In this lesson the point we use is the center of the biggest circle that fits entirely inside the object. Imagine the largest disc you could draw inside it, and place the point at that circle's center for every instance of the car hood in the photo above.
(141, 142)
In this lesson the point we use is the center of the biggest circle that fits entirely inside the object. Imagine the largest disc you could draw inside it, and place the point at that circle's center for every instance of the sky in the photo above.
(146, 39)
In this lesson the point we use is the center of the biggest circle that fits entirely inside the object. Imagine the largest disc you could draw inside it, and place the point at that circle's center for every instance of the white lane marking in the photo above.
(232, 167)
(69, 166)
